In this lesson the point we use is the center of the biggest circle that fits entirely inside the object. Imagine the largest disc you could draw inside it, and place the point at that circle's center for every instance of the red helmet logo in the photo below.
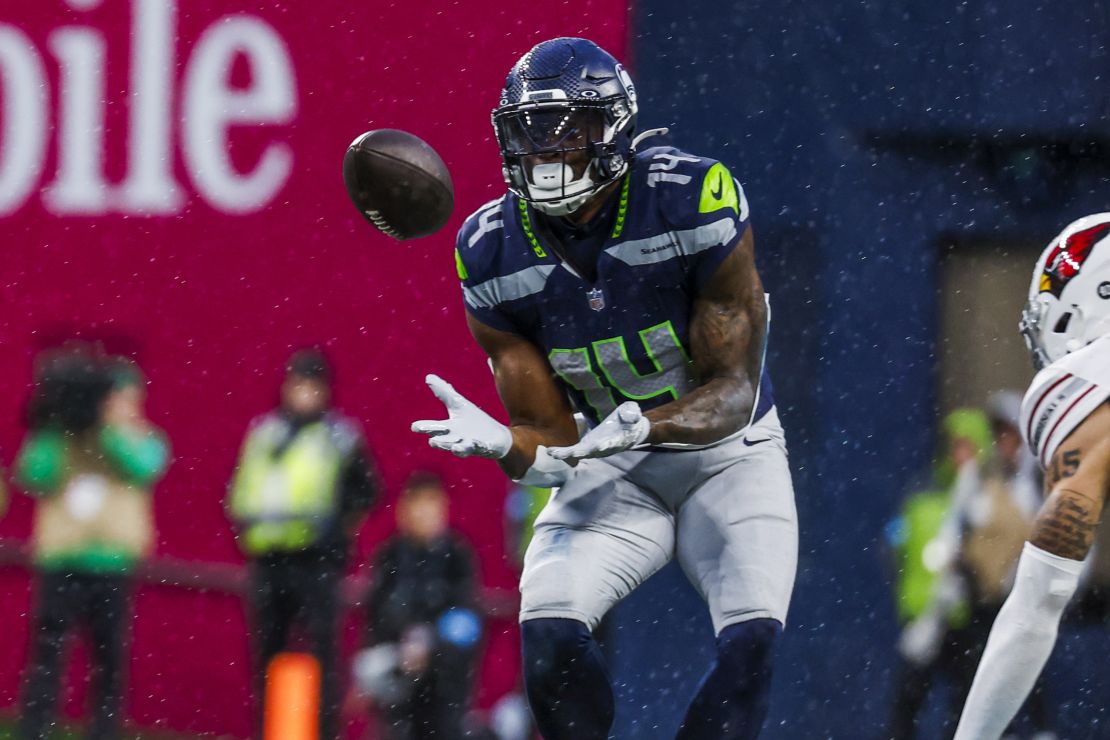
(1065, 260)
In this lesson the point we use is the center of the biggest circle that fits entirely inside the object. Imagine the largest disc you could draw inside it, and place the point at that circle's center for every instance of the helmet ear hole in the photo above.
(1062, 323)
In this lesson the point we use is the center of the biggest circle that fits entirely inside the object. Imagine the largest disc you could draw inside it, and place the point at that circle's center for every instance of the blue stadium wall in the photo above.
(866, 136)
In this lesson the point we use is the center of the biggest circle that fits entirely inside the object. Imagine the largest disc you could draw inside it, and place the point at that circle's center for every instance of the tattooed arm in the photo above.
(726, 342)
(1076, 486)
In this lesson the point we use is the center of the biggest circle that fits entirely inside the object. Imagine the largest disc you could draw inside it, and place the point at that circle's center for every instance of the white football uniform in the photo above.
(1063, 395)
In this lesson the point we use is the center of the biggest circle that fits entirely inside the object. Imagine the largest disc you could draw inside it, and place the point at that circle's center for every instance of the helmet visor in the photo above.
(558, 152)
(544, 130)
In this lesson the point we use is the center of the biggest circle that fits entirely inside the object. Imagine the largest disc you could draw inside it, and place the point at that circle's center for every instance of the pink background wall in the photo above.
(210, 302)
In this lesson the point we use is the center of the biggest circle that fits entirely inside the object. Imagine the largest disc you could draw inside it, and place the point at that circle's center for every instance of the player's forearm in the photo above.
(706, 415)
(1020, 642)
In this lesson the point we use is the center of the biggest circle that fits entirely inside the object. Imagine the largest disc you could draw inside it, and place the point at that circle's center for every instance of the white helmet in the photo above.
(1069, 298)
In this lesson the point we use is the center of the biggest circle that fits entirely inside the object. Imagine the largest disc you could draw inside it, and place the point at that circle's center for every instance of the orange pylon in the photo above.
(292, 706)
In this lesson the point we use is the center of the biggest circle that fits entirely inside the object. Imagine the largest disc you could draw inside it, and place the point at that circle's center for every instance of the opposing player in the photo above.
(619, 282)
(1066, 420)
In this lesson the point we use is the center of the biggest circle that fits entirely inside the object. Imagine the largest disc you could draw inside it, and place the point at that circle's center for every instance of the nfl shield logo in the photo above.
(597, 298)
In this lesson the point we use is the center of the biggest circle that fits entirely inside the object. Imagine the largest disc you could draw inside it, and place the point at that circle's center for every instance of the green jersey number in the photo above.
(673, 374)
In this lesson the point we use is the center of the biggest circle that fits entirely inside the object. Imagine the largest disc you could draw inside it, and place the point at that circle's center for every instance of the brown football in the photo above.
(398, 183)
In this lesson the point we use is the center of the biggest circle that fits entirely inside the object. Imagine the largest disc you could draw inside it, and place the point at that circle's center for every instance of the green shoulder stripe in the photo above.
(718, 191)
(460, 267)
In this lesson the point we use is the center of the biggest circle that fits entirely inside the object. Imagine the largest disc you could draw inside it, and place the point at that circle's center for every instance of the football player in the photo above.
(1066, 421)
(618, 281)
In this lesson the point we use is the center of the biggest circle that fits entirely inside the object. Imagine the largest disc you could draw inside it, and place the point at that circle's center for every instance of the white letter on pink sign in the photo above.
(212, 106)
(150, 187)
(79, 186)
(23, 137)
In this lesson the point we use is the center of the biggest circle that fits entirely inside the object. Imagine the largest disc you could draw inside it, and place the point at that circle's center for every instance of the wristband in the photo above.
(546, 471)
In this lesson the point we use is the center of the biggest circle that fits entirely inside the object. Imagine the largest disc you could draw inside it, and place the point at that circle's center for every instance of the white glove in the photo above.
(467, 431)
(623, 429)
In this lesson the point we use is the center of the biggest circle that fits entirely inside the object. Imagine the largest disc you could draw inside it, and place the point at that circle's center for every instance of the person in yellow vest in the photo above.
(929, 587)
(303, 484)
(90, 460)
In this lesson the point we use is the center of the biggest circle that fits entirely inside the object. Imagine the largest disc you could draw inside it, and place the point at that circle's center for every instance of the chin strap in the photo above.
(648, 134)
(563, 207)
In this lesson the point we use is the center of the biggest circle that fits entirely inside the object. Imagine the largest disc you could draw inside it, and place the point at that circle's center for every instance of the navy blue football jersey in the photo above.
(624, 336)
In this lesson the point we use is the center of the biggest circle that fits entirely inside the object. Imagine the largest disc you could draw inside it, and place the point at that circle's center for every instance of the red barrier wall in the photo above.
(170, 185)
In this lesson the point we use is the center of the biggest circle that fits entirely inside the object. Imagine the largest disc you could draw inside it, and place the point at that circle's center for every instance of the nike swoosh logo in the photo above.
(720, 189)
(754, 442)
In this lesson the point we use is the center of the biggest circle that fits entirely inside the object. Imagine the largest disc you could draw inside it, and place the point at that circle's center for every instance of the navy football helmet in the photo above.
(565, 124)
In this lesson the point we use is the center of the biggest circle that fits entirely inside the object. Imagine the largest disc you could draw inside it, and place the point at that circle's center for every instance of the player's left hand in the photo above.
(621, 430)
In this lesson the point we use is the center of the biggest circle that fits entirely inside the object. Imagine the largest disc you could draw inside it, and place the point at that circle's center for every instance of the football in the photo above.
(398, 183)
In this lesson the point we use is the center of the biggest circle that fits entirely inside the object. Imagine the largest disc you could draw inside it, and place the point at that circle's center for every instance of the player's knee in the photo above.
(540, 585)
(551, 646)
(550, 589)
(746, 651)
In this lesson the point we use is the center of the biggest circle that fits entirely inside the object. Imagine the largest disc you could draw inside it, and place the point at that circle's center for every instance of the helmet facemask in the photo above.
(557, 154)
(1031, 328)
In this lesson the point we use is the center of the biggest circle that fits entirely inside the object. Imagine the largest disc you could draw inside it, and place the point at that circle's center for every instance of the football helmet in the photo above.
(1069, 297)
(565, 124)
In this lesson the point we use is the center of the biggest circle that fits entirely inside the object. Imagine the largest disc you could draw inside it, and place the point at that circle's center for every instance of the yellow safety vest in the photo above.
(282, 503)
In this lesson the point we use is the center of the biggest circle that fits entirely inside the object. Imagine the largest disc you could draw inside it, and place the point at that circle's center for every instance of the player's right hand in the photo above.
(467, 431)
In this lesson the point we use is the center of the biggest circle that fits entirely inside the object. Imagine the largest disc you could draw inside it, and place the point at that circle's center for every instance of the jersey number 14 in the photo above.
(673, 375)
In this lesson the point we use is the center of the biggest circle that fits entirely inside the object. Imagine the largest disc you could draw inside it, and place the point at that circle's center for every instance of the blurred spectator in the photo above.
(423, 628)
(90, 459)
(996, 520)
(304, 481)
(958, 548)
(935, 642)
(998, 514)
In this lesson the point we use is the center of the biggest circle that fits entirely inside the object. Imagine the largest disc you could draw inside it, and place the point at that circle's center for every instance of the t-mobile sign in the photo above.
(208, 103)
(170, 185)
